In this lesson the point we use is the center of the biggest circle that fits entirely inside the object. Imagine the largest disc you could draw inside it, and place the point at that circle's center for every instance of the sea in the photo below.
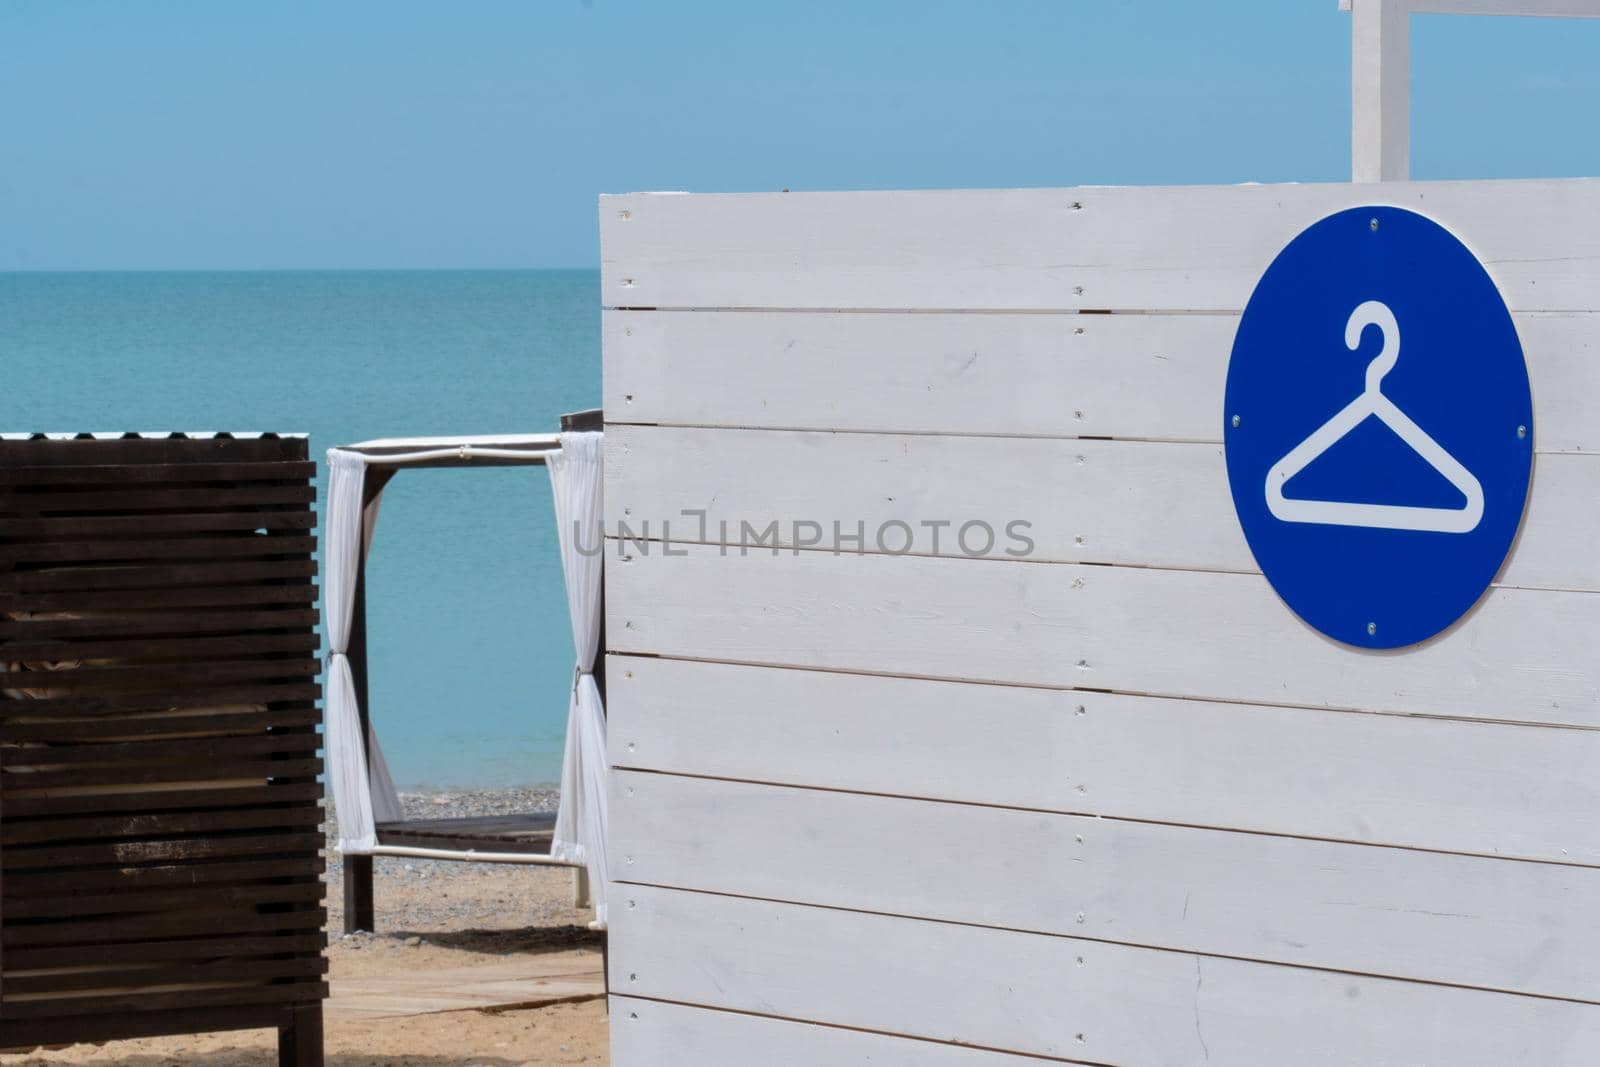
(470, 647)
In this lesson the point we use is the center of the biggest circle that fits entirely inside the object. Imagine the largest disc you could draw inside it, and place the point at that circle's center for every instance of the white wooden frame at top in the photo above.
(1380, 54)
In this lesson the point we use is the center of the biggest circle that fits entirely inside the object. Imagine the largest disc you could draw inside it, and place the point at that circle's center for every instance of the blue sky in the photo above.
(181, 134)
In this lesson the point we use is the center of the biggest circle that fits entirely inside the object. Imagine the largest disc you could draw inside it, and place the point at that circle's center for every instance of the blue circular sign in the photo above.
(1378, 427)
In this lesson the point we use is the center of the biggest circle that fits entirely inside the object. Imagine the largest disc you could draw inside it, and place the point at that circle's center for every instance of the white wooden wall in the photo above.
(1112, 803)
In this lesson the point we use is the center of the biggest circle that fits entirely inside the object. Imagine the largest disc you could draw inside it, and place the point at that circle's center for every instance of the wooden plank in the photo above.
(139, 473)
(1173, 248)
(257, 693)
(509, 826)
(101, 527)
(151, 451)
(1122, 502)
(1066, 997)
(243, 545)
(74, 1029)
(202, 750)
(1459, 920)
(49, 500)
(166, 623)
(154, 951)
(160, 824)
(651, 1033)
(287, 992)
(526, 836)
(240, 767)
(197, 675)
(161, 800)
(230, 970)
(1146, 377)
(123, 576)
(1472, 787)
(530, 981)
(301, 592)
(78, 881)
(122, 853)
(137, 928)
(1521, 655)
(161, 648)
(175, 901)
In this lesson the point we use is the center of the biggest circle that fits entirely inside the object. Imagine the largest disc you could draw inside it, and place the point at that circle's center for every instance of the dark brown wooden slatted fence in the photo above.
(159, 801)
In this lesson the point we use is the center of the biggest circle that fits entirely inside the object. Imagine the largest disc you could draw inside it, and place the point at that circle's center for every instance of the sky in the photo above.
(411, 134)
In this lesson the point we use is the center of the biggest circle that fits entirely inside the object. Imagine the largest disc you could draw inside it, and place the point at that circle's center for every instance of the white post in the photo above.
(1380, 72)
(1380, 80)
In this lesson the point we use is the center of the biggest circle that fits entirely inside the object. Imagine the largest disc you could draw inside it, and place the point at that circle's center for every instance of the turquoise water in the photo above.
(471, 649)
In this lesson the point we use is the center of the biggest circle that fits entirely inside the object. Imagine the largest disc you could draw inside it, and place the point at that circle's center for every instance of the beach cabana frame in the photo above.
(371, 822)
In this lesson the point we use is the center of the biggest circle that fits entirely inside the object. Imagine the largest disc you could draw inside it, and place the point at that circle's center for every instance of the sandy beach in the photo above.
(430, 916)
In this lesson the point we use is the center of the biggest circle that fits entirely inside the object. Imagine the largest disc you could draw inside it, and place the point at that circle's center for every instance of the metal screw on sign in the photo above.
(1374, 225)
(1522, 431)
(1372, 629)
(1236, 422)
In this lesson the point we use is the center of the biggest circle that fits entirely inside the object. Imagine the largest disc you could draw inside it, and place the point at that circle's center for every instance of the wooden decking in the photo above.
(529, 833)
(530, 982)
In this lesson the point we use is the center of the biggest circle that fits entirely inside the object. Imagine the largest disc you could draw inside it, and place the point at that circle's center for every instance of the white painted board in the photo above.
(1066, 997)
(653, 1033)
(1402, 913)
(1153, 248)
(1487, 788)
(1520, 655)
(1148, 377)
(1136, 503)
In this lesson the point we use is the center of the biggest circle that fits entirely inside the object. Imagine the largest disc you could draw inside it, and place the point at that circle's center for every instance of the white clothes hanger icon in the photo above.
(1372, 402)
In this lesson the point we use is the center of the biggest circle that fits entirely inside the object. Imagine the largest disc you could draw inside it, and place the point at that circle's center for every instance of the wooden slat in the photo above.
(241, 767)
(244, 545)
(1474, 787)
(1172, 248)
(182, 724)
(301, 592)
(652, 1032)
(131, 902)
(1066, 997)
(167, 623)
(155, 525)
(78, 881)
(162, 824)
(185, 648)
(1521, 656)
(493, 833)
(158, 675)
(1144, 377)
(143, 800)
(156, 951)
(121, 853)
(29, 1032)
(153, 451)
(243, 994)
(201, 751)
(1460, 920)
(52, 501)
(135, 928)
(1122, 502)
(233, 970)
(257, 693)
(138, 473)
(146, 577)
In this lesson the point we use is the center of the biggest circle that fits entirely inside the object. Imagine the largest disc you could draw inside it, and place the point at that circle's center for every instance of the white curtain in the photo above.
(580, 831)
(345, 529)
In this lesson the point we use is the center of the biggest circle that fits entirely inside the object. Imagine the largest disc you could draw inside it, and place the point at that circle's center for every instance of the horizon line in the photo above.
(288, 270)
